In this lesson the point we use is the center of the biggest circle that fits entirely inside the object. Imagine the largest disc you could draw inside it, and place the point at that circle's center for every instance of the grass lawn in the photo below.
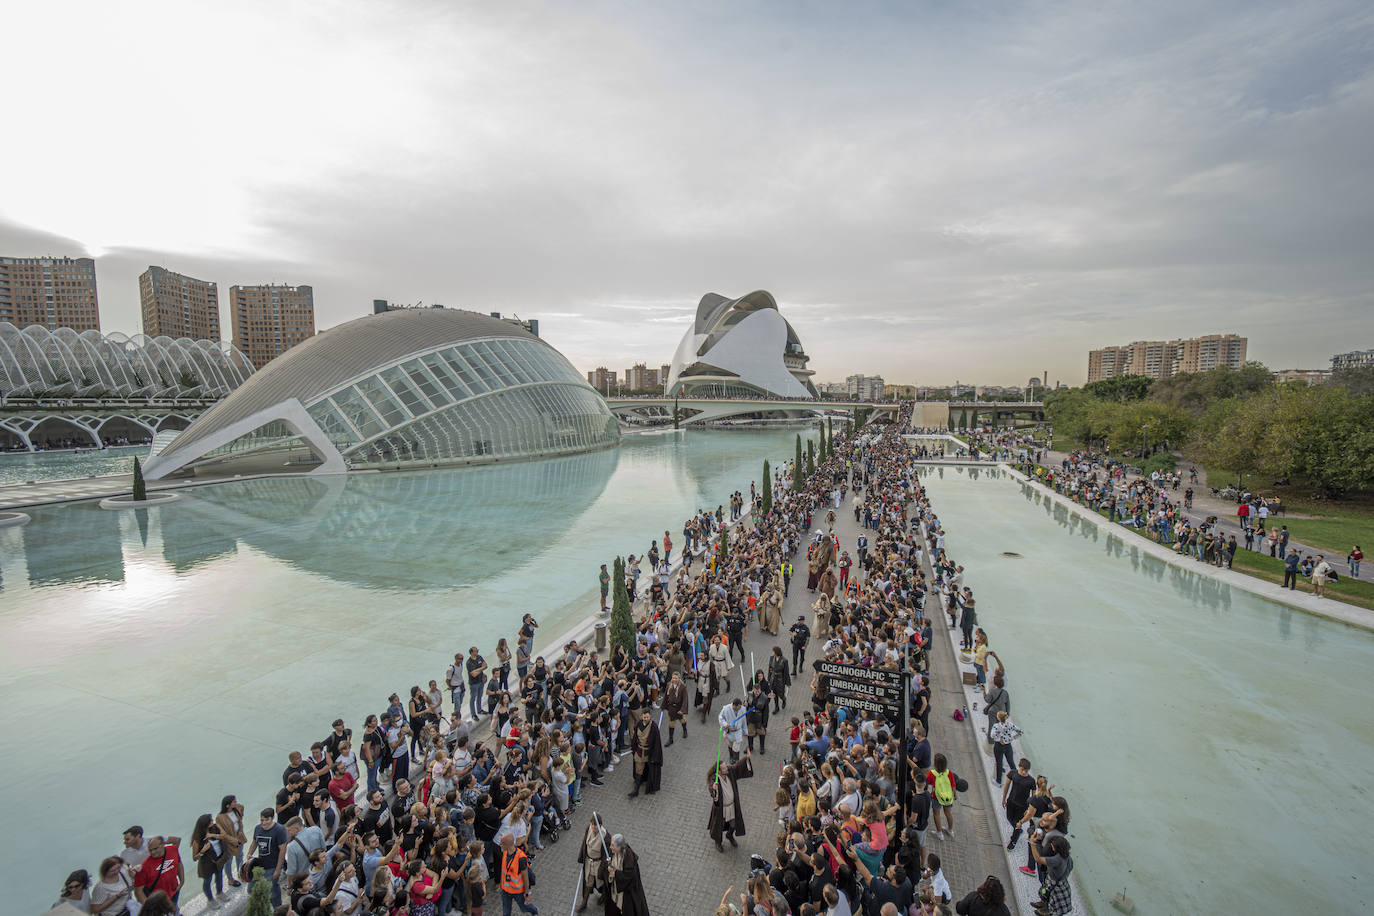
(1333, 526)
(1352, 591)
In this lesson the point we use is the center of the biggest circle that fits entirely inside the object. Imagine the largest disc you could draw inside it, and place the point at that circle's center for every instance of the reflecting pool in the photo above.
(21, 467)
(1215, 747)
(162, 658)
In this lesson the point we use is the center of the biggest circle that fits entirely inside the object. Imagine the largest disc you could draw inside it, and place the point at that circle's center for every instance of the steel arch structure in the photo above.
(38, 363)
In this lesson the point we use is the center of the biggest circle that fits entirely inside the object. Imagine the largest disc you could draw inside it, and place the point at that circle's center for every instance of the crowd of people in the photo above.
(451, 793)
(1153, 505)
(847, 839)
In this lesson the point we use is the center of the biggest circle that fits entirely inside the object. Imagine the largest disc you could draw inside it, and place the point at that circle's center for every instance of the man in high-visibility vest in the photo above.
(785, 570)
(515, 877)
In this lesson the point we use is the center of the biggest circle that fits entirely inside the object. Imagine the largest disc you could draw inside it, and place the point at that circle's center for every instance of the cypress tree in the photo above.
(622, 621)
(767, 488)
(259, 894)
(724, 553)
(675, 413)
(825, 443)
(810, 457)
(797, 466)
(140, 488)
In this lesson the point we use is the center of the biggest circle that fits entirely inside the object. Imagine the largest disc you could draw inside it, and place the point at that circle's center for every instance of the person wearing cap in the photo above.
(336, 737)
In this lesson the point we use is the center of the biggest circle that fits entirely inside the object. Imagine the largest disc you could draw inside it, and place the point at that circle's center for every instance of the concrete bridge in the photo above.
(927, 414)
(698, 411)
(29, 424)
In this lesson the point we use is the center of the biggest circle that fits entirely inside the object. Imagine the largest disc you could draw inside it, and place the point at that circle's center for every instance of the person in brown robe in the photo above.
(624, 885)
(675, 702)
(727, 817)
(647, 747)
(828, 582)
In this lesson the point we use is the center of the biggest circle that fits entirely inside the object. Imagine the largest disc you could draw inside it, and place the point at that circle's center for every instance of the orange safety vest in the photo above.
(512, 882)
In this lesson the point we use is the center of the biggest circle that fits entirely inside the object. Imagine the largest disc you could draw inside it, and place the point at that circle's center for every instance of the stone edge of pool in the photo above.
(1329, 608)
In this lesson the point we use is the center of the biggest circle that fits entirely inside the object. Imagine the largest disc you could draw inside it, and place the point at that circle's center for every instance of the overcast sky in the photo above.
(932, 191)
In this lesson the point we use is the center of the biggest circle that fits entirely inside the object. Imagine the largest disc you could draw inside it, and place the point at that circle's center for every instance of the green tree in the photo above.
(259, 894)
(722, 550)
(675, 426)
(622, 620)
(810, 458)
(767, 488)
(797, 466)
(1121, 388)
(1359, 382)
(140, 488)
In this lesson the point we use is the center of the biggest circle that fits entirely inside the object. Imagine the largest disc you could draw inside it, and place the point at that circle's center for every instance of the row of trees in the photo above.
(1241, 420)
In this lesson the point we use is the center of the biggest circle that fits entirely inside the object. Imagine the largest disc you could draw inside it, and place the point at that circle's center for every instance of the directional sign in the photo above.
(877, 686)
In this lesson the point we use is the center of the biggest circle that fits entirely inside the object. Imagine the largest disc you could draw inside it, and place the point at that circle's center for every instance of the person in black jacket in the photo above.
(988, 900)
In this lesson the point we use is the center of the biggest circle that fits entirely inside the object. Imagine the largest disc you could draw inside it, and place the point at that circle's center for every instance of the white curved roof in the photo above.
(743, 340)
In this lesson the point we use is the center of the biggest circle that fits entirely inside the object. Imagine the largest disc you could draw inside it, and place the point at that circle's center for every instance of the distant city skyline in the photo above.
(955, 192)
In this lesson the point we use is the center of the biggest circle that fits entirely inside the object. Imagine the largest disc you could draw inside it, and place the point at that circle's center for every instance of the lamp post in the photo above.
(1143, 430)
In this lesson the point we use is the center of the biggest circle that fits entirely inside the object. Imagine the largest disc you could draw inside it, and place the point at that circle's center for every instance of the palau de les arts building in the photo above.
(410, 388)
(740, 348)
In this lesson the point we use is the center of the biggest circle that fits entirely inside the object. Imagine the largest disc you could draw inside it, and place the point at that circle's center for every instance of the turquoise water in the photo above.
(153, 661)
(1216, 748)
(21, 467)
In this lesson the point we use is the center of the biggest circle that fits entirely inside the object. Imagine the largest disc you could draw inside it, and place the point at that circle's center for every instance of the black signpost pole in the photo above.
(903, 758)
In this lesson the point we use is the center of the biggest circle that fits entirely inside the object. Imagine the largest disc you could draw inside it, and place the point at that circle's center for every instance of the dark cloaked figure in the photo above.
(727, 818)
(648, 754)
(592, 857)
(624, 887)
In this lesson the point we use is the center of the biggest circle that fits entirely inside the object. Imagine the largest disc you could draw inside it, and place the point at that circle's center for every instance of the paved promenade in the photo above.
(682, 871)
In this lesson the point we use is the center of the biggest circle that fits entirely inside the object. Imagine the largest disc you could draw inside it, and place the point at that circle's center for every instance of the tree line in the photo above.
(1241, 420)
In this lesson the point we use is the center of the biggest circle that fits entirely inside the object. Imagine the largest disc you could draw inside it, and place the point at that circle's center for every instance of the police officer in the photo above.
(801, 634)
(785, 570)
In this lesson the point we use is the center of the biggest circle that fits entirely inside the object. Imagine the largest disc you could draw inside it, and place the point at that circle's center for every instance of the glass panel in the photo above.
(483, 369)
(500, 362)
(334, 425)
(465, 371)
(390, 410)
(406, 391)
(445, 375)
(512, 361)
(427, 384)
(358, 412)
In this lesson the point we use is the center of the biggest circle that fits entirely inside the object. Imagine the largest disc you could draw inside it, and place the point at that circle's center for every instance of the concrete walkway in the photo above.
(1208, 505)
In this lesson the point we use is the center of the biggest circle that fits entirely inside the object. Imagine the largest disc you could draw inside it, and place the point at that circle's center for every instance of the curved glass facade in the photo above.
(407, 388)
(477, 400)
(38, 363)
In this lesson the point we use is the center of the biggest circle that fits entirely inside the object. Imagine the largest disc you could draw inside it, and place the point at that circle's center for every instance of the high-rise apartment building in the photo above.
(602, 379)
(1356, 359)
(640, 377)
(52, 292)
(175, 305)
(1164, 358)
(864, 387)
(269, 320)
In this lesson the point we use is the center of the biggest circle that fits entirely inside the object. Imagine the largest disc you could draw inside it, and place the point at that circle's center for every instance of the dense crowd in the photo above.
(450, 794)
(847, 841)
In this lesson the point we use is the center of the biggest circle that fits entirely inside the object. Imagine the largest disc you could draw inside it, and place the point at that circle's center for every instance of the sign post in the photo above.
(883, 692)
